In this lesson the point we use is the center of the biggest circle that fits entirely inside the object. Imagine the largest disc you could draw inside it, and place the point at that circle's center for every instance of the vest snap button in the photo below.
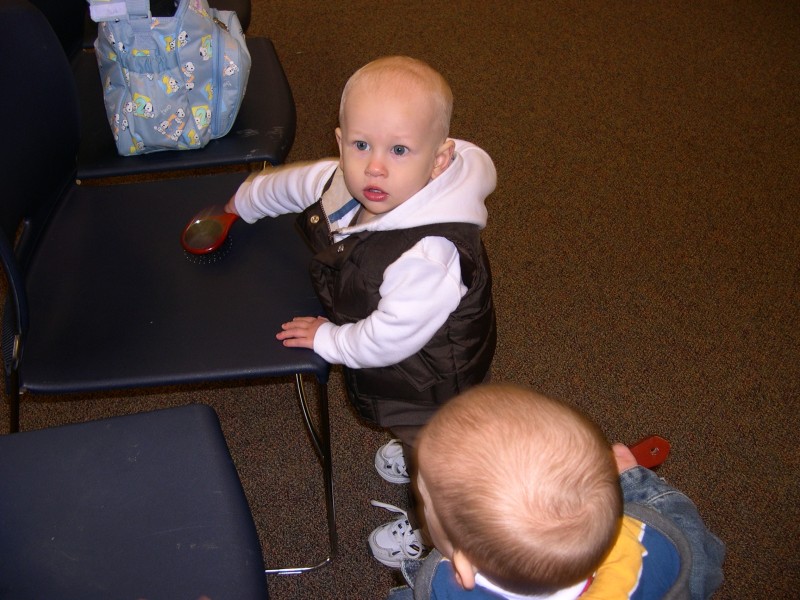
(340, 248)
(314, 219)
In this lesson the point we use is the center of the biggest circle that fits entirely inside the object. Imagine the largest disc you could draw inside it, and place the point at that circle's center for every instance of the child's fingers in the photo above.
(300, 328)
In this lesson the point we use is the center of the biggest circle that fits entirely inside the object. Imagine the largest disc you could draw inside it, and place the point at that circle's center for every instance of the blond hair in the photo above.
(525, 486)
(411, 74)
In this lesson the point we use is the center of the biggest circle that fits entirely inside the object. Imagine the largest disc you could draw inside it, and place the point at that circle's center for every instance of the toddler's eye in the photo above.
(399, 150)
(361, 146)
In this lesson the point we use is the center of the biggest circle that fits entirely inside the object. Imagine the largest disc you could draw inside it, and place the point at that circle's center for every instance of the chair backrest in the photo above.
(41, 128)
(40, 143)
(67, 18)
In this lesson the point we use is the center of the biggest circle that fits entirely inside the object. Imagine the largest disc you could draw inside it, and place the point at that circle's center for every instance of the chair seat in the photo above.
(139, 506)
(125, 306)
(263, 131)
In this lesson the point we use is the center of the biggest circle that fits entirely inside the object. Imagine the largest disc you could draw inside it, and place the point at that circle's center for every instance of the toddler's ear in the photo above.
(443, 158)
(465, 572)
(338, 133)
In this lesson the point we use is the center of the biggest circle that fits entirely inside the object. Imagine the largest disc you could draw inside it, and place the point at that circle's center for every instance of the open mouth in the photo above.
(374, 194)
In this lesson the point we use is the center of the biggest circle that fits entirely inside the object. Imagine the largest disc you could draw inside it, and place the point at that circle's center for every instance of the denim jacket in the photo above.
(681, 557)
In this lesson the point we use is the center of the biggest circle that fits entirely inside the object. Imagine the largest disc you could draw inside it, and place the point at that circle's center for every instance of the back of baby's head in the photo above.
(524, 485)
(409, 75)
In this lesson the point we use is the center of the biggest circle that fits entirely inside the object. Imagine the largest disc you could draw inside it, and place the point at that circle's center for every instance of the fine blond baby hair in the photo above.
(409, 75)
(525, 486)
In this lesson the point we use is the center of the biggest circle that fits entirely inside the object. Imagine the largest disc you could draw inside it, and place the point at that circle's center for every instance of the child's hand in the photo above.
(300, 332)
(230, 207)
(624, 457)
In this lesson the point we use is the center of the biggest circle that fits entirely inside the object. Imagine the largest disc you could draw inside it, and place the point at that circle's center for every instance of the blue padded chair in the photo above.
(100, 293)
(139, 506)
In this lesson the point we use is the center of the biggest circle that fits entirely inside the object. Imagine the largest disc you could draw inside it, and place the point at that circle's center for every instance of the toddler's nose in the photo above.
(375, 167)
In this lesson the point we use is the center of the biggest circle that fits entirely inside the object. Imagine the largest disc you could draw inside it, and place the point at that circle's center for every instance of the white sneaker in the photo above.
(394, 542)
(390, 462)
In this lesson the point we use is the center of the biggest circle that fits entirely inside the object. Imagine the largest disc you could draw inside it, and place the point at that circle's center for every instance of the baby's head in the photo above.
(394, 120)
(518, 487)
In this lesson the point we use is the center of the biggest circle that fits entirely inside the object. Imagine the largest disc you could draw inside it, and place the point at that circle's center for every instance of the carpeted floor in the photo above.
(645, 242)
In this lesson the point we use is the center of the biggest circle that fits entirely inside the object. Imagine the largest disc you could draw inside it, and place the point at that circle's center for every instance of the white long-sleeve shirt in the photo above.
(422, 287)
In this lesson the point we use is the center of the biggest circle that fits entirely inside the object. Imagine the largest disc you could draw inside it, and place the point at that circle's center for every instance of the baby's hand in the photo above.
(300, 332)
(624, 457)
(230, 207)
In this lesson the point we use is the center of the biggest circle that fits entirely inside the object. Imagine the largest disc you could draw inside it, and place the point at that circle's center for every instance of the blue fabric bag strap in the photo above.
(135, 12)
(119, 10)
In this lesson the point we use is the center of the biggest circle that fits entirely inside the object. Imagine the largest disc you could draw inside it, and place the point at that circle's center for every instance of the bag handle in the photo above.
(135, 12)
(119, 10)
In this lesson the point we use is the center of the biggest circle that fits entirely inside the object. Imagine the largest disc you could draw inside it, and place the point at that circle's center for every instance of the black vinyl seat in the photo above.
(100, 293)
(137, 506)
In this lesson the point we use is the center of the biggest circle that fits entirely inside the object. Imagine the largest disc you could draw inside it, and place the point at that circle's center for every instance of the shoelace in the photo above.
(395, 460)
(406, 537)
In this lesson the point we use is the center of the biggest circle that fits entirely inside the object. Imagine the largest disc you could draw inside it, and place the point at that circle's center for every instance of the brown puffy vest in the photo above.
(347, 276)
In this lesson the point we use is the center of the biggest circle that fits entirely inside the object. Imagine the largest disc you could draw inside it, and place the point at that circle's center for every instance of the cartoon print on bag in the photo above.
(205, 47)
(142, 107)
(170, 84)
(188, 72)
(164, 127)
(194, 139)
(138, 144)
(202, 115)
(209, 89)
(118, 125)
(183, 39)
(115, 126)
(113, 43)
(230, 68)
(198, 8)
(169, 43)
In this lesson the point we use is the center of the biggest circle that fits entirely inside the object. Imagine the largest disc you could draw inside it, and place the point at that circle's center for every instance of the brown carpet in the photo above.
(645, 241)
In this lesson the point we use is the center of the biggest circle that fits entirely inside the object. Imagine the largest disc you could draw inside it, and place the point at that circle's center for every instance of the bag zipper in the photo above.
(218, 60)
(221, 24)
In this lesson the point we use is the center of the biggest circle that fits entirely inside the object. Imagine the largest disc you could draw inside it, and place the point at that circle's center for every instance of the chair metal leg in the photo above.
(13, 401)
(321, 440)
